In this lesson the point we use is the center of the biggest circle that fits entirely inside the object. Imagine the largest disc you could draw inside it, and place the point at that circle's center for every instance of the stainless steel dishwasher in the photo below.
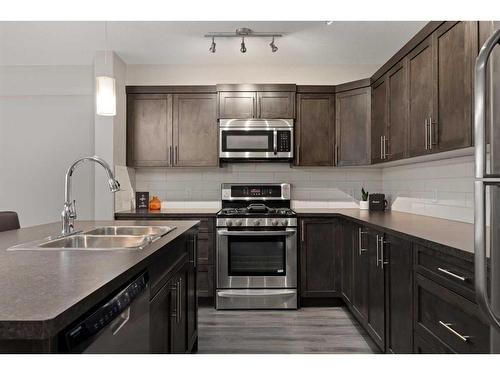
(118, 325)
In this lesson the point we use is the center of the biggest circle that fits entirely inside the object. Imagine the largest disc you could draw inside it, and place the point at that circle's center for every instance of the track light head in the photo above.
(273, 46)
(243, 48)
(212, 46)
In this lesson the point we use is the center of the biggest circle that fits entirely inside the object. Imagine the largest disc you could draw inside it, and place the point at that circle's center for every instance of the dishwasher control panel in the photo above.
(106, 313)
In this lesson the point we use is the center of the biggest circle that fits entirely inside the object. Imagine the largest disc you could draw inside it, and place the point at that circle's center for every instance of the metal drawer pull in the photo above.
(445, 271)
(448, 327)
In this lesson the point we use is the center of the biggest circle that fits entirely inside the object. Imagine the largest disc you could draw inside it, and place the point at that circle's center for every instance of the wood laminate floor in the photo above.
(308, 330)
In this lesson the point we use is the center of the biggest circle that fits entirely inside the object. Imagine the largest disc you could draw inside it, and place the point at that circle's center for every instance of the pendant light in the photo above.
(105, 95)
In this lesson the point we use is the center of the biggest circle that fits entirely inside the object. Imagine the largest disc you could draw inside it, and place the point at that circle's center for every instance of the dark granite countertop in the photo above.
(167, 212)
(41, 292)
(428, 231)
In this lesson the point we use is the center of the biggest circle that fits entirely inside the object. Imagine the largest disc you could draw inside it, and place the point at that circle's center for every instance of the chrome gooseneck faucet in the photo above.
(68, 214)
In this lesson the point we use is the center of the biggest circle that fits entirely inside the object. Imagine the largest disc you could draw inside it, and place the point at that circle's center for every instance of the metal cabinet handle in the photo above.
(360, 248)
(195, 255)
(383, 262)
(431, 133)
(175, 304)
(448, 327)
(336, 154)
(377, 250)
(480, 269)
(179, 300)
(381, 147)
(170, 156)
(426, 131)
(302, 231)
(176, 154)
(449, 273)
(386, 142)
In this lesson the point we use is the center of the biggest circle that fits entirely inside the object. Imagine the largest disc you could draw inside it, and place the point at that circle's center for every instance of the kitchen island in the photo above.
(43, 292)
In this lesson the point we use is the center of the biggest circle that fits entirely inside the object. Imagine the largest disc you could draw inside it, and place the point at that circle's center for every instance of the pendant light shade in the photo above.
(105, 96)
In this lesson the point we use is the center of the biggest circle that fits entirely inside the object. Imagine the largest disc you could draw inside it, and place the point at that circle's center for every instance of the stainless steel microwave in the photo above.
(256, 139)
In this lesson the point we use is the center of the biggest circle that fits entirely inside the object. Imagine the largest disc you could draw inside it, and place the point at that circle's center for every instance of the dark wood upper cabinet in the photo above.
(395, 142)
(379, 126)
(421, 89)
(195, 130)
(455, 48)
(165, 130)
(276, 104)
(149, 124)
(314, 130)
(352, 126)
(319, 254)
(237, 104)
(256, 104)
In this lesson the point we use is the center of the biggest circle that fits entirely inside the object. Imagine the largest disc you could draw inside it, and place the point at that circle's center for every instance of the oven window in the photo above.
(257, 256)
(239, 140)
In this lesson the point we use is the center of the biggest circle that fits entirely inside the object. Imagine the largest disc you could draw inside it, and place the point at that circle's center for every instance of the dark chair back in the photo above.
(8, 221)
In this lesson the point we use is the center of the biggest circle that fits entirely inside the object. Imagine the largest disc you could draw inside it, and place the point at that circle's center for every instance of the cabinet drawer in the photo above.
(449, 317)
(455, 273)
(205, 248)
(428, 344)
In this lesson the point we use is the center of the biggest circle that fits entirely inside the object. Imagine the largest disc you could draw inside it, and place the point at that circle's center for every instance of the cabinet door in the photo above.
(149, 127)
(179, 323)
(455, 45)
(395, 142)
(205, 281)
(161, 310)
(191, 295)
(352, 125)
(195, 130)
(318, 257)
(421, 93)
(237, 104)
(347, 254)
(376, 288)
(315, 129)
(276, 105)
(399, 301)
(379, 118)
(360, 272)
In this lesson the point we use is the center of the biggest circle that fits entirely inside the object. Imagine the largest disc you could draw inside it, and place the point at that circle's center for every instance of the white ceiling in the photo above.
(304, 43)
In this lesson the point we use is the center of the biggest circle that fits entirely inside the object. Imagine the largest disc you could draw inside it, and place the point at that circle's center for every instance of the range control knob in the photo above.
(274, 222)
(238, 223)
(229, 223)
(256, 222)
(284, 222)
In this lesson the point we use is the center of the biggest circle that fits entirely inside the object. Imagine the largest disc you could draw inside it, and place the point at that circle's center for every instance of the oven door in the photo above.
(257, 258)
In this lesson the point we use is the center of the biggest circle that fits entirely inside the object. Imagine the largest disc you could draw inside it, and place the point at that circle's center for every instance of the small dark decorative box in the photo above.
(141, 200)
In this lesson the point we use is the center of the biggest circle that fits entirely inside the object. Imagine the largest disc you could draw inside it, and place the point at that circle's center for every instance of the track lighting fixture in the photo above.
(273, 46)
(212, 46)
(243, 33)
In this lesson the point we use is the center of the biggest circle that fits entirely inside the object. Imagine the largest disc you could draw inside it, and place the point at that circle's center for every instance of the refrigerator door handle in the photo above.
(480, 259)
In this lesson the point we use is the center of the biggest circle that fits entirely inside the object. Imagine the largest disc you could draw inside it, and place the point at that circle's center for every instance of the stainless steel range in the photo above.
(256, 248)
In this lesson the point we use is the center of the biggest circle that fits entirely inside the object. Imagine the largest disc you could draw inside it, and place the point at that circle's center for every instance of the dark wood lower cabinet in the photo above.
(376, 287)
(319, 259)
(346, 253)
(399, 295)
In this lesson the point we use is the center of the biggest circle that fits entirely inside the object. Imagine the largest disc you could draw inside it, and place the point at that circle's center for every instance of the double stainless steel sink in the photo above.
(101, 238)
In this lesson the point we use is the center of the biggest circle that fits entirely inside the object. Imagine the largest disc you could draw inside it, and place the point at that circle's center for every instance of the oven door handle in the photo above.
(257, 293)
(287, 232)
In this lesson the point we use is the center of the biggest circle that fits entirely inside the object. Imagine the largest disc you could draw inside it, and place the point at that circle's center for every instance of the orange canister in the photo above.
(155, 203)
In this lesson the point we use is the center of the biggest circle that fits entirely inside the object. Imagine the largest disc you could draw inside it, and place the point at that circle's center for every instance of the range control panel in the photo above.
(284, 140)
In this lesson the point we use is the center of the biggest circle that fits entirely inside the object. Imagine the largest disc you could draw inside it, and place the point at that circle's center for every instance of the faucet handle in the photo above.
(72, 210)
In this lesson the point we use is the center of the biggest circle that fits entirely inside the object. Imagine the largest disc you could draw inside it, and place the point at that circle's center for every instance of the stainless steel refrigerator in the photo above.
(487, 181)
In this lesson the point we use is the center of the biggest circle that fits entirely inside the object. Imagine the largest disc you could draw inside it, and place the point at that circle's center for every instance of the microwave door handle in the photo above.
(223, 232)
(275, 142)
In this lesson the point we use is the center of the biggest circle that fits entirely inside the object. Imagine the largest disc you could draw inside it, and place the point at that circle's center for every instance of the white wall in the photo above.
(210, 75)
(46, 122)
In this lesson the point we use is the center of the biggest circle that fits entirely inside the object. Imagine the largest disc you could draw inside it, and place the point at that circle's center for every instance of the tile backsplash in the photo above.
(442, 188)
(317, 184)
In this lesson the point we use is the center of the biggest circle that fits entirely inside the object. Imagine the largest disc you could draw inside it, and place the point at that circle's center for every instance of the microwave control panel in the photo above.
(284, 140)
